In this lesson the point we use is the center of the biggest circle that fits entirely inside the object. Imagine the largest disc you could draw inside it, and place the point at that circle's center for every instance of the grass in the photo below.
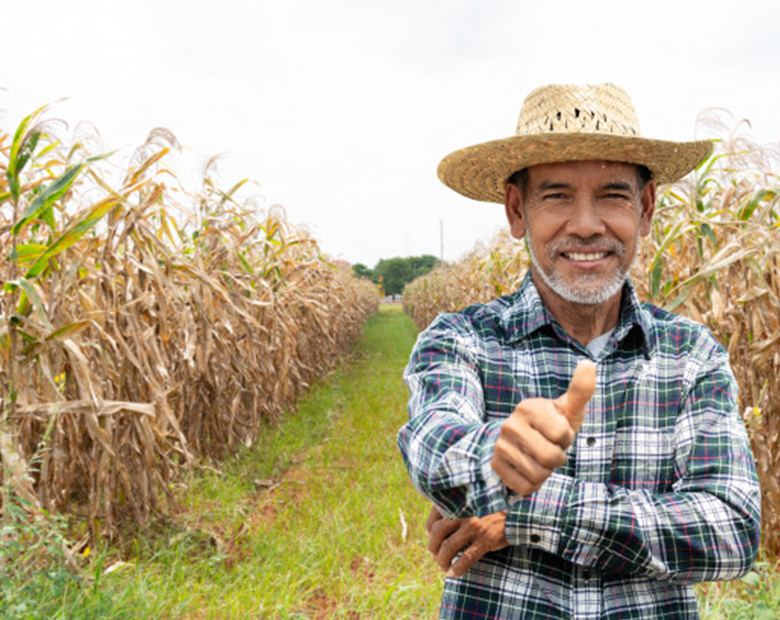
(754, 597)
(316, 520)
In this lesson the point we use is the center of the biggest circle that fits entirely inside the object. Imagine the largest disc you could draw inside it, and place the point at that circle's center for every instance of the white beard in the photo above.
(581, 292)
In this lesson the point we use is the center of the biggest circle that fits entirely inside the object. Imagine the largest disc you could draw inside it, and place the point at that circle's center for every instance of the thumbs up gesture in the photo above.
(533, 440)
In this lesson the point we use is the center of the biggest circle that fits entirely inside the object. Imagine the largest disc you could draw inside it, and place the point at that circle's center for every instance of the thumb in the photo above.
(572, 404)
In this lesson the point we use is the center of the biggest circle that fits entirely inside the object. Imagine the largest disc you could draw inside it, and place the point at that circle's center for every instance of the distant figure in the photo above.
(583, 450)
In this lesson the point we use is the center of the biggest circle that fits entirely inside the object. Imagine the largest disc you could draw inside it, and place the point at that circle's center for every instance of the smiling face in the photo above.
(583, 221)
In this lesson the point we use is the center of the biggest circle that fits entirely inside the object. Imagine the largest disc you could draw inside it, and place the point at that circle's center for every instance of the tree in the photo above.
(361, 271)
(398, 272)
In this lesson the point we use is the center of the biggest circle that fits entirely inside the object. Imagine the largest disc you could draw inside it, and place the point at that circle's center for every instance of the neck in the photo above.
(583, 322)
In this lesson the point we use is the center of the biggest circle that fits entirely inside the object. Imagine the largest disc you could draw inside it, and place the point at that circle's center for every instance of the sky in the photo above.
(340, 110)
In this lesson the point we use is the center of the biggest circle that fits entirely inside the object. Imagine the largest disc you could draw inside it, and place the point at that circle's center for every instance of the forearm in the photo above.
(687, 535)
(448, 461)
(448, 443)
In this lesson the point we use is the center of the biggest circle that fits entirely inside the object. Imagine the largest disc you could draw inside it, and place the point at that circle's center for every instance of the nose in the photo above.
(585, 219)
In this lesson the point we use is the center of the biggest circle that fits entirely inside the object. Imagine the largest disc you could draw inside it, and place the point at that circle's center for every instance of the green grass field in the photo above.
(316, 520)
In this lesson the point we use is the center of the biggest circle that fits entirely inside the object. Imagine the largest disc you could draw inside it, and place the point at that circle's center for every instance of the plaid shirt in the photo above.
(660, 489)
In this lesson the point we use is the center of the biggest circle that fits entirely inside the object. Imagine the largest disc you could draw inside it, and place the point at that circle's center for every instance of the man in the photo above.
(584, 452)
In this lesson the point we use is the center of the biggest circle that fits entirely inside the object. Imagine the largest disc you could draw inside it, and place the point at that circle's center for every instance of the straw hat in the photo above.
(568, 123)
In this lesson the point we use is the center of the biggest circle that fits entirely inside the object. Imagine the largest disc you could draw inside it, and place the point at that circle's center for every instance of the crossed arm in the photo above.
(472, 538)
(706, 527)
(531, 444)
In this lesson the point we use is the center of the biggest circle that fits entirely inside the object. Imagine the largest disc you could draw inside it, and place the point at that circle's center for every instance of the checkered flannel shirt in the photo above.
(660, 489)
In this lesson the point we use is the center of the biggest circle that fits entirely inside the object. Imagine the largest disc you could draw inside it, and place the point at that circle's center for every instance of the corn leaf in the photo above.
(72, 235)
(684, 294)
(655, 279)
(26, 152)
(46, 198)
(35, 299)
(244, 262)
(746, 211)
(68, 330)
(678, 229)
(707, 231)
(22, 147)
(148, 164)
(27, 252)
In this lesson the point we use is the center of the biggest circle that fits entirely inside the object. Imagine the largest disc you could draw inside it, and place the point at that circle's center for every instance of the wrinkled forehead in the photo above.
(588, 171)
(585, 167)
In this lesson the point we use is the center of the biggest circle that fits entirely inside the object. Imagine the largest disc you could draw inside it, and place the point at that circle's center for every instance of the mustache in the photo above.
(596, 242)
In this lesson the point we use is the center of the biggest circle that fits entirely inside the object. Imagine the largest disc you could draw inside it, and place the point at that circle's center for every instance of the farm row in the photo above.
(146, 325)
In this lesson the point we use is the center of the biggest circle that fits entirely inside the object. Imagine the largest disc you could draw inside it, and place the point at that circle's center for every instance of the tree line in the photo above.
(395, 273)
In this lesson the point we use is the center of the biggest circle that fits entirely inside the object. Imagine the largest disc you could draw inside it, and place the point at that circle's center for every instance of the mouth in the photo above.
(583, 257)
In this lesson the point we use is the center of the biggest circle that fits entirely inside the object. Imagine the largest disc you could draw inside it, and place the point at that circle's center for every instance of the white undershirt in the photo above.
(596, 346)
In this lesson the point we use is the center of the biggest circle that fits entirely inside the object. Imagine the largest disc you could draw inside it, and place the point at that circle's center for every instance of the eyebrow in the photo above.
(619, 185)
(544, 185)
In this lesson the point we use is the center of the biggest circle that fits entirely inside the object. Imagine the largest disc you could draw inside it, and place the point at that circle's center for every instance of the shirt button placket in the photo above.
(589, 461)
(586, 595)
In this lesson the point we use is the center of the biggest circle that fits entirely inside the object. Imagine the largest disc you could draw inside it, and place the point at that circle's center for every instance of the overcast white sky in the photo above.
(342, 109)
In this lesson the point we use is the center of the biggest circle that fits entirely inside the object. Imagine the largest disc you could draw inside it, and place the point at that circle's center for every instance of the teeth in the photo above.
(584, 257)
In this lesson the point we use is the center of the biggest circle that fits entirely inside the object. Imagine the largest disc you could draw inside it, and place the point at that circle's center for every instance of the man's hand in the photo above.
(474, 537)
(533, 440)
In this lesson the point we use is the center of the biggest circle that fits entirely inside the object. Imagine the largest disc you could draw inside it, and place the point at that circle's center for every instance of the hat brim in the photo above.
(481, 171)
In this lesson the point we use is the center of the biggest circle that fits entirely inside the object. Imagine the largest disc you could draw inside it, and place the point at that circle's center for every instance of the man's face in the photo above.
(583, 221)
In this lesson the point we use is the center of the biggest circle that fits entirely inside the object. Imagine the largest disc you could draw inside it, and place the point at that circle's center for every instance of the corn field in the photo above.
(712, 256)
(145, 326)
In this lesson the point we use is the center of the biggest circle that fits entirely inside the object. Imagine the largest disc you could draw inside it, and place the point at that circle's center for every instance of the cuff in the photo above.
(537, 520)
(492, 494)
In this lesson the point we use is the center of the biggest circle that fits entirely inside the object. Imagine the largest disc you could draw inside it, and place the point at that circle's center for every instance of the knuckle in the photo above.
(499, 465)
(566, 438)
(560, 431)
(519, 419)
(552, 459)
(539, 476)
(527, 487)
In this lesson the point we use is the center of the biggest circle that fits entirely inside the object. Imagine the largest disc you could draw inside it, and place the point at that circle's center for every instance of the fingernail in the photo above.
(451, 573)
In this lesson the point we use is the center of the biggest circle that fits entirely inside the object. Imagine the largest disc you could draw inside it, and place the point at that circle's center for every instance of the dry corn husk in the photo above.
(171, 332)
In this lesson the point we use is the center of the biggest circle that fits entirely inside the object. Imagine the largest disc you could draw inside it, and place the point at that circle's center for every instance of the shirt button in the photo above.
(536, 539)
(586, 574)
(591, 441)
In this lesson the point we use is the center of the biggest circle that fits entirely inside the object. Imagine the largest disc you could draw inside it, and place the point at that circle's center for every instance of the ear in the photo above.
(648, 208)
(514, 211)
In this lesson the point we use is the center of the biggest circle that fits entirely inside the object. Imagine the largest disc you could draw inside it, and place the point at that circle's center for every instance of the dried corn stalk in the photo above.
(144, 326)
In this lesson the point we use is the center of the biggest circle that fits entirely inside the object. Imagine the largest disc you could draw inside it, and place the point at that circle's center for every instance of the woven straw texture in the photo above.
(561, 123)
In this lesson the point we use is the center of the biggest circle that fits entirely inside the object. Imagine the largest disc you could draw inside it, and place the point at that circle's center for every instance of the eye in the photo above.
(616, 196)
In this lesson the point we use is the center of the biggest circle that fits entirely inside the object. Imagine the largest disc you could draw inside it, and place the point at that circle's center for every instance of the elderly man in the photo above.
(583, 450)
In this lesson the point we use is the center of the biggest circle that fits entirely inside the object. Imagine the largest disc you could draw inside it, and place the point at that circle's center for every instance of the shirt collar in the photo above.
(525, 313)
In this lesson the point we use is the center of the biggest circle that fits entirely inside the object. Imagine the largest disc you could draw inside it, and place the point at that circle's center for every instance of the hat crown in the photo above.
(566, 109)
